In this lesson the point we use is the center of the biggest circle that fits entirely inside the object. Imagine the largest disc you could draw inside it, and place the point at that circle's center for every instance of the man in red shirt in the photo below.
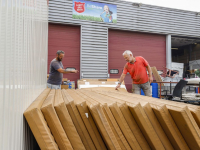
(137, 67)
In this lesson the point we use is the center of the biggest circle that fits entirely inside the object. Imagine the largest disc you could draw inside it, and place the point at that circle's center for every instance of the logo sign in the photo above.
(79, 7)
(93, 11)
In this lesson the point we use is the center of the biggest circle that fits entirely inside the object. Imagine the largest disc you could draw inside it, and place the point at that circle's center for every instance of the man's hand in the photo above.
(118, 86)
(150, 80)
(75, 71)
(121, 79)
(164, 67)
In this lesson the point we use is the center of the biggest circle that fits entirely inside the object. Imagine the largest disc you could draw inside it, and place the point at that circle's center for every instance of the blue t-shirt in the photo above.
(55, 77)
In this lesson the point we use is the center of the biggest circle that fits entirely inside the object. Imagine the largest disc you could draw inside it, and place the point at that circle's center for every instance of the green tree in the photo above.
(197, 72)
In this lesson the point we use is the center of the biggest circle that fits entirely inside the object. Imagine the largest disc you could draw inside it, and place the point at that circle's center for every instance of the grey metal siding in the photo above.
(94, 52)
(147, 18)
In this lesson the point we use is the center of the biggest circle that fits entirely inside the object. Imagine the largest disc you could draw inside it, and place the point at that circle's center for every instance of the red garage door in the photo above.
(66, 38)
(150, 46)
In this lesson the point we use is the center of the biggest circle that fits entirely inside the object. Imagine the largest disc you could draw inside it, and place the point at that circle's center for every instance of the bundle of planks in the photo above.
(102, 118)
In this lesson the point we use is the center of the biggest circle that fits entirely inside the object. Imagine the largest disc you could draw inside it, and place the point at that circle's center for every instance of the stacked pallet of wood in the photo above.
(102, 118)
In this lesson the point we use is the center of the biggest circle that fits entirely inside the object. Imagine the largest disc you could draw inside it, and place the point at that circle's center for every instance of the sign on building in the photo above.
(93, 11)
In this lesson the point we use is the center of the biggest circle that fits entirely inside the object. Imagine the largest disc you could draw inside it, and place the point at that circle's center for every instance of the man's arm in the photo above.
(169, 75)
(121, 79)
(64, 71)
(57, 67)
(150, 73)
(174, 75)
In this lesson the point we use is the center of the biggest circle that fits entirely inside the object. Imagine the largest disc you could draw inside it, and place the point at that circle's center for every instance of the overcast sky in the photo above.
(191, 5)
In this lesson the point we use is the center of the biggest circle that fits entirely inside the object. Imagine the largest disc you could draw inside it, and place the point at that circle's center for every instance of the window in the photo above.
(114, 71)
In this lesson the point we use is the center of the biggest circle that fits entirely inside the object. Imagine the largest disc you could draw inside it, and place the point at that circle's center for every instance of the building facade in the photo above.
(96, 47)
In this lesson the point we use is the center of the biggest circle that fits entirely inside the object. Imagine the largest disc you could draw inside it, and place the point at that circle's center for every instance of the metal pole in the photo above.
(168, 52)
(170, 87)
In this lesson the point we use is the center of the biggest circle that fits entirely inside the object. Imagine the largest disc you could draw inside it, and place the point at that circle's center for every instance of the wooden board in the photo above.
(156, 75)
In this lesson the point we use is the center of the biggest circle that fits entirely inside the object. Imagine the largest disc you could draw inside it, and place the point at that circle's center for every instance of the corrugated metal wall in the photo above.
(23, 67)
(94, 51)
(147, 18)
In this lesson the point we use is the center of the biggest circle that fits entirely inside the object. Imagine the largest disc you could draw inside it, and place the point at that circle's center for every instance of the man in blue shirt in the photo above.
(56, 71)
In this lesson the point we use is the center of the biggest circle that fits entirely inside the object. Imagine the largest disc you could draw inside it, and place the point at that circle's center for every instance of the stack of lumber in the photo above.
(103, 118)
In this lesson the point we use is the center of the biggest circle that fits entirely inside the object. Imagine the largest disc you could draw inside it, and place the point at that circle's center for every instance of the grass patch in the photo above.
(91, 18)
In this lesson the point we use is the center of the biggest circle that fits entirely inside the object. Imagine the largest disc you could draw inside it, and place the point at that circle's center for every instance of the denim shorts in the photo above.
(136, 88)
(51, 86)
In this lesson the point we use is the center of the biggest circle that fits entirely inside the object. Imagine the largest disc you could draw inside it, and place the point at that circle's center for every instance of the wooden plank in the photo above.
(156, 75)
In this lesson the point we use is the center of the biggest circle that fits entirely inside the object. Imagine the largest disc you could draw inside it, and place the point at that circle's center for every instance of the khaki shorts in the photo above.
(136, 88)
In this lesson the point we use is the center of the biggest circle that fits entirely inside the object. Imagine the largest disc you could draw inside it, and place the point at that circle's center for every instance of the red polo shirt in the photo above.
(137, 70)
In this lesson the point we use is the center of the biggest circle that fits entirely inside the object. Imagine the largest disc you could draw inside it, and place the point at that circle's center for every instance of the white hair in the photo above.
(128, 52)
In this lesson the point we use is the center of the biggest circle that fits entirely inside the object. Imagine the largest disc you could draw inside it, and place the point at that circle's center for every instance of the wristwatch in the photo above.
(119, 83)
